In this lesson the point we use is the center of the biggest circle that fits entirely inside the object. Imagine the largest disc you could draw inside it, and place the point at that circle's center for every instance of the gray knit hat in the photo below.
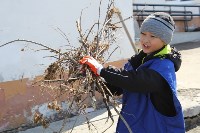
(160, 24)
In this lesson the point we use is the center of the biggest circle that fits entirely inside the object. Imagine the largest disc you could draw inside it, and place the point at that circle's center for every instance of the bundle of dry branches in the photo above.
(67, 76)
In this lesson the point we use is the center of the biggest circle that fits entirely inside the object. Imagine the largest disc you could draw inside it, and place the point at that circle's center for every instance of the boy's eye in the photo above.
(153, 36)
(146, 34)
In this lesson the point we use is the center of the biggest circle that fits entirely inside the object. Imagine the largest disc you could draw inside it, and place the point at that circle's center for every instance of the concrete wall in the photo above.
(166, 1)
(38, 21)
(181, 37)
(19, 101)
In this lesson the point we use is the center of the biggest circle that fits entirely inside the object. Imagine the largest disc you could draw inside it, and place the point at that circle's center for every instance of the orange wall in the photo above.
(17, 98)
(194, 23)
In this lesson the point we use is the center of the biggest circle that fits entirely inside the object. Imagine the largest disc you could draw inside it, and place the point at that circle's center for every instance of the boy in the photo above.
(148, 80)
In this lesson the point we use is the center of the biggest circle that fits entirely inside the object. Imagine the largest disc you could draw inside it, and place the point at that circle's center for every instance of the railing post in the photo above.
(199, 9)
(185, 21)
(170, 10)
(138, 15)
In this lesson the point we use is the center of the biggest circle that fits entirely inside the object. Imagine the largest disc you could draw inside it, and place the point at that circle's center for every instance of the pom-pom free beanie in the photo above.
(161, 25)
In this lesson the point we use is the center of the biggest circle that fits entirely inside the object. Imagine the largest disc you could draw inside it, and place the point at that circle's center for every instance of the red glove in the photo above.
(92, 63)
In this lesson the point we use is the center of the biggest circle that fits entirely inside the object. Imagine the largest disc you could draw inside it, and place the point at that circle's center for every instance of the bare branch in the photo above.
(22, 40)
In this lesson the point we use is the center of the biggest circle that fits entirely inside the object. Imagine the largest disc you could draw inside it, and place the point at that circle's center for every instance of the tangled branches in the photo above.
(77, 80)
(67, 76)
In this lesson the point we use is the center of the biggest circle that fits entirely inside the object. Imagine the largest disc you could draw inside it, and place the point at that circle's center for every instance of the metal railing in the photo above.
(183, 13)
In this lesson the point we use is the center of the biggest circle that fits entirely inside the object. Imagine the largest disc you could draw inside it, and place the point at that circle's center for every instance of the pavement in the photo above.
(188, 78)
(188, 82)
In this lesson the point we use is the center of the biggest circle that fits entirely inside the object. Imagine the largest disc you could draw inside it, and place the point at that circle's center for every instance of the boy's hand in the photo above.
(92, 63)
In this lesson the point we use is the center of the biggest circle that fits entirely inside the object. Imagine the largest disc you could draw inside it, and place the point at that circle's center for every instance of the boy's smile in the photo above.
(150, 43)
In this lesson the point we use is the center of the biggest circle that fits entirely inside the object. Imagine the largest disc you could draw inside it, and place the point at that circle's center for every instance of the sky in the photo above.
(37, 20)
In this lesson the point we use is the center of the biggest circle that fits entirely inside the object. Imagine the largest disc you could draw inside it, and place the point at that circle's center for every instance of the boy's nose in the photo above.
(146, 39)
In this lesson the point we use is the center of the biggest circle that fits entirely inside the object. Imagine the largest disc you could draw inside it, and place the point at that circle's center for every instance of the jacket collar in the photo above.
(167, 52)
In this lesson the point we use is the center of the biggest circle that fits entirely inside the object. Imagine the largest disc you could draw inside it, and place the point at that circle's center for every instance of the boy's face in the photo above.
(150, 43)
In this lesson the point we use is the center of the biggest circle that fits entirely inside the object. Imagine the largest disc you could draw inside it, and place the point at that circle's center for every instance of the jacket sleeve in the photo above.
(143, 80)
(114, 90)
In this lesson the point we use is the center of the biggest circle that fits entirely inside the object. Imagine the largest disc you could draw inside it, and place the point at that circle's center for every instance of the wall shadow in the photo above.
(187, 45)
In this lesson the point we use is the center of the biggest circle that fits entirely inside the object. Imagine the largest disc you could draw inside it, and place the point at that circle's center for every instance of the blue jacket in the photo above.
(139, 112)
(142, 78)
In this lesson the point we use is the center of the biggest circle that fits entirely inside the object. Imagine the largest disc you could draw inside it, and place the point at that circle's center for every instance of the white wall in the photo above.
(181, 37)
(36, 20)
(165, 1)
